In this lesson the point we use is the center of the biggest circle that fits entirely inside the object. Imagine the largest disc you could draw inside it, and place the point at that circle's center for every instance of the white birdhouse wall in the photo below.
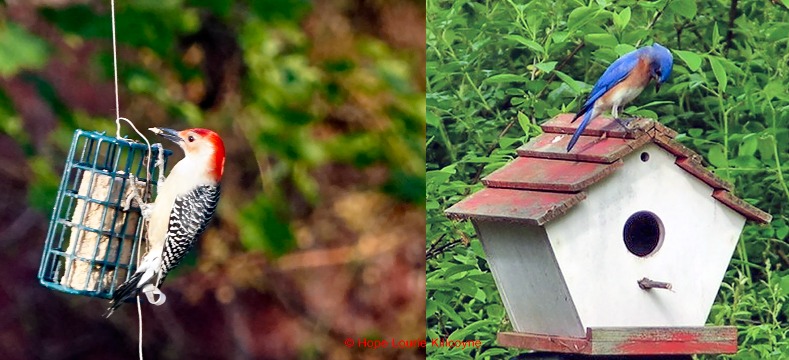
(700, 234)
(528, 278)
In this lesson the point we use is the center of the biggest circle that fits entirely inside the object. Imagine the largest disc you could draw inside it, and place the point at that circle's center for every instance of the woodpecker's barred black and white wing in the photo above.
(189, 217)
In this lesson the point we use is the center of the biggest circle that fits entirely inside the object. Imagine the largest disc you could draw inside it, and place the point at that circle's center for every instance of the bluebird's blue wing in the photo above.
(616, 72)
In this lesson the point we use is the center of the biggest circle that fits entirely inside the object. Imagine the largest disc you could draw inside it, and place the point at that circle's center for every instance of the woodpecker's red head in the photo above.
(201, 146)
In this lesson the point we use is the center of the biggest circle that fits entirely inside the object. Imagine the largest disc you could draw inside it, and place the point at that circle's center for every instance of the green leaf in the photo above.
(524, 122)
(531, 44)
(480, 295)
(719, 72)
(656, 103)
(717, 157)
(622, 49)
(748, 146)
(781, 229)
(432, 119)
(690, 58)
(495, 353)
(580, 17)
(716, 35)
(569, 81)
(773, 89)
(602, 40)
(695, 132)
(684, 8)
(645, 113)
(631, 36)
(765, 146)
(466, 286)
(454, 269)
(505, 78)
(547, 66)
(450, 312)
(622, 19)
(470, 329)
(430, 308)
(506, 142)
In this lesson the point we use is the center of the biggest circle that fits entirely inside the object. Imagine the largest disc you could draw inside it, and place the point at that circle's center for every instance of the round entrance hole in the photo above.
(643, 233)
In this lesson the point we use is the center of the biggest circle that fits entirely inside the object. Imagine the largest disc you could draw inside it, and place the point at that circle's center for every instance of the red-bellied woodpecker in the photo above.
(185, 203)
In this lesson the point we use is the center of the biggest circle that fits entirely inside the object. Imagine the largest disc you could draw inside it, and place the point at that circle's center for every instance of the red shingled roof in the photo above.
(545, 180)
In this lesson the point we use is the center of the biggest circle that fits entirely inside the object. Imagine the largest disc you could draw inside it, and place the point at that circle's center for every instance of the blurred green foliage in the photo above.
(280, 105)
(495, 69)
(20, 50)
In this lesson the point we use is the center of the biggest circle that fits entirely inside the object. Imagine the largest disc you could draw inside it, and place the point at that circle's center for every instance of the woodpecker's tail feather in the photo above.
(124, 292)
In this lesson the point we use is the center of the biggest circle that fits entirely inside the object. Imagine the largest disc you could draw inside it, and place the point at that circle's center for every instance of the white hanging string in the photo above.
(139, 318)
(118, 119)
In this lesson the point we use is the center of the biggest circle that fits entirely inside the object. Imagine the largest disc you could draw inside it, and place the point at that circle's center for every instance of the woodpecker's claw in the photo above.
(133, 195)
(145, 208)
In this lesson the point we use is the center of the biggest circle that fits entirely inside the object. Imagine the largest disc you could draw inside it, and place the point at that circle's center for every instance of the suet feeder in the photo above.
(615, 248)
(93, 243)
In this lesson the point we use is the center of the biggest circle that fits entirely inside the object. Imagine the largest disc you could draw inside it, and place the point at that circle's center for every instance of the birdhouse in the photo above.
(617, 247)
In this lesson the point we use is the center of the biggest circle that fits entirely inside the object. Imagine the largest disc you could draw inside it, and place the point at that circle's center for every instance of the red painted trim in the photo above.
(631, 341)
(696, 169)
(545, 166)
(561, 124)
(739, 205)
(549, 175)
(531, 207)
(589, 148)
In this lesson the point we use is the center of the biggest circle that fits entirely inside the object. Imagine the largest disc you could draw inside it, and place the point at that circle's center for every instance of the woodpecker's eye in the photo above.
(191, 138)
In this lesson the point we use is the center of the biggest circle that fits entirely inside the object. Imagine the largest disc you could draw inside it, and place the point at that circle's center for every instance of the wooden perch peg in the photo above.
(647, 284)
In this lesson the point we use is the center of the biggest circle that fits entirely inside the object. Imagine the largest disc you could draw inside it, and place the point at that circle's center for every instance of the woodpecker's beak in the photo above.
(168, 134)
(657, 86)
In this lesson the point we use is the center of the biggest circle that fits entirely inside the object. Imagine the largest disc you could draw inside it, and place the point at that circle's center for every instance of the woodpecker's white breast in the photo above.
(185, 176)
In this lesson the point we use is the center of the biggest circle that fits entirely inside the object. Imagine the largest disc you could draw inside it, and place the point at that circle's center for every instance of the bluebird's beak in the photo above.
(657, 83)
(168, 134)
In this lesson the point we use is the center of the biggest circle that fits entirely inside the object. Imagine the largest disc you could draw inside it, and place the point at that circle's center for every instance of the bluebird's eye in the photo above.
(191, 138)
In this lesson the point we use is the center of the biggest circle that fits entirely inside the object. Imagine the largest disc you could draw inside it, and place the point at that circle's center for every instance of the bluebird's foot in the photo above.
(625, 123)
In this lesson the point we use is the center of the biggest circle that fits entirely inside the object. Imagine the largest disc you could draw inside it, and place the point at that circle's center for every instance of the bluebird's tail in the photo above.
(580, 129)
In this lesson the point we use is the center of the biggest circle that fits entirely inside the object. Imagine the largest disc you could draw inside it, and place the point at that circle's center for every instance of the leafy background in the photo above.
(318, 236)
(496, 69)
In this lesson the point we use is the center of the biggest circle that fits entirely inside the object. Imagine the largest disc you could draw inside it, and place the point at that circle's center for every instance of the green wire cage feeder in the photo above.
(92, 244)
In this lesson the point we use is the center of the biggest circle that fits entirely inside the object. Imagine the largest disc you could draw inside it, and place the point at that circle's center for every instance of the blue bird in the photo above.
(622, 82)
